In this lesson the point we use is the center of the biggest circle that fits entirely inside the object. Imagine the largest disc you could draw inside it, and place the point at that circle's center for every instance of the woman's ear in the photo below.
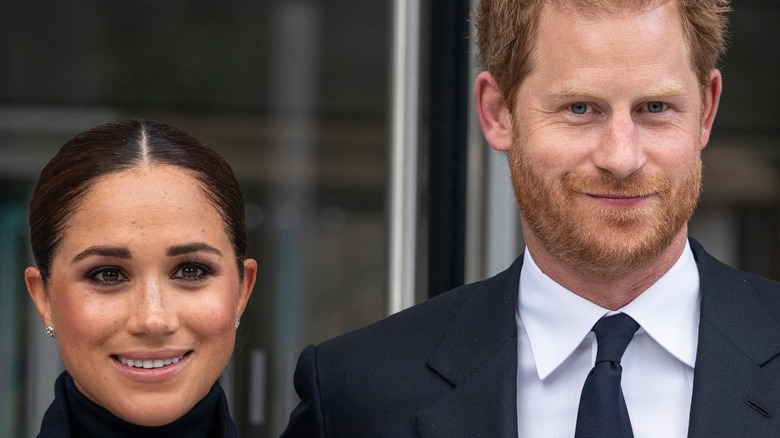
(494, 116)
(37, 291)
(247, 285)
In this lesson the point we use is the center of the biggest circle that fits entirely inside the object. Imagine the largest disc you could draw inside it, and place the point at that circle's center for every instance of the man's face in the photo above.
(607, 135)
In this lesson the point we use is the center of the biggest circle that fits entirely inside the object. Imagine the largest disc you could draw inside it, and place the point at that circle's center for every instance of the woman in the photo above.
(137, 230)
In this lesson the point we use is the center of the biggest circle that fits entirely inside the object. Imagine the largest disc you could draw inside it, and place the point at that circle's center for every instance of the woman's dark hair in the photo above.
(112, 148)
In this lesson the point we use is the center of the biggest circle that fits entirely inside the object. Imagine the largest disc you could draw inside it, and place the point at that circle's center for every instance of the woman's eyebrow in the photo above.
(191, 247)
(106, 251)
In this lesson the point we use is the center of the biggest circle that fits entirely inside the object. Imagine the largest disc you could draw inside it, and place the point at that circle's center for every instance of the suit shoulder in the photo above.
(711, 266)
(423, 322)
(393, 358)
(718, 275)
(420, 327)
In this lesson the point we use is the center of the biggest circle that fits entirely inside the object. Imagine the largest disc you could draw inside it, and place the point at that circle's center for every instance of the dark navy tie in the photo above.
(602, 412)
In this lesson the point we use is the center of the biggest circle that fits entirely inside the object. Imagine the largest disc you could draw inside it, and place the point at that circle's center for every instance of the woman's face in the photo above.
(144, 294)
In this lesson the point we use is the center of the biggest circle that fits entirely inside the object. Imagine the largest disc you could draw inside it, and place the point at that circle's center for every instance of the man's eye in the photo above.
(109, 275)
(579, 108)
(656, 107)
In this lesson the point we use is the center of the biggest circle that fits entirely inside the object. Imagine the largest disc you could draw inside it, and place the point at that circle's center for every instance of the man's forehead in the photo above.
(599, 9)
(633, 16)
(648, 45)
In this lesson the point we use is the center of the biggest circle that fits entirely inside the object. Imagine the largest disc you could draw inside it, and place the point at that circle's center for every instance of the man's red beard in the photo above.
(599, 241)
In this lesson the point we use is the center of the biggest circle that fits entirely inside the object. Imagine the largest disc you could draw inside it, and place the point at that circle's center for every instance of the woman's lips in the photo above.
(152, 368)
(149, 363)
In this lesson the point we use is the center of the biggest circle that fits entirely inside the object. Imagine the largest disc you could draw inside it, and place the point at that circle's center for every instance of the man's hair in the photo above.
(506, 33)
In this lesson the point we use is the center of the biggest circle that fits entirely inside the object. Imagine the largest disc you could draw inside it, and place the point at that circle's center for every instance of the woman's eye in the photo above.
(190, 272)
(109, 276)
(656, 107)
(579, 108)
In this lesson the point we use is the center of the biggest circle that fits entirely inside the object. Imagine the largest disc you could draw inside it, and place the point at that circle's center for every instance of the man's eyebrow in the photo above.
(106, 251)
(578, 91)
(666, 90)
(191, 247)
(570, 91)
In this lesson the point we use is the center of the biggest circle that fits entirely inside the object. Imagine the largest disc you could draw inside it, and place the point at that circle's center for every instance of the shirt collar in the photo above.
(556, 320)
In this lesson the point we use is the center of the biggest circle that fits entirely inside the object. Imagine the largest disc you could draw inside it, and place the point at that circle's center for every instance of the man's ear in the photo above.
(711, 100)
(37, 291)
(494, 116)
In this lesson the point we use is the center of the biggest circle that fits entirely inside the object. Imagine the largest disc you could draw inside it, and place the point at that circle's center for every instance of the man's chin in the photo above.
(611, 252)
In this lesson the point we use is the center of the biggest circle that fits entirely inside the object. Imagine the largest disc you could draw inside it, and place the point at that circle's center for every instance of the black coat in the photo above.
(448, 367)
(72, 415)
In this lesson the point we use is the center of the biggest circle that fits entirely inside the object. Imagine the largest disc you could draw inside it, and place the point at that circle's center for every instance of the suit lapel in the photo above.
(736, 386)
(478, 356)
(736, 364)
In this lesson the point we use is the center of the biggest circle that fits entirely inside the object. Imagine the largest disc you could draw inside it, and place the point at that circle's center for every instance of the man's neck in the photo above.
(609, 293)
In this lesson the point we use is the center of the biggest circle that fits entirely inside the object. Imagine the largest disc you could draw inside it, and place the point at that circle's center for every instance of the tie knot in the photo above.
(613, 333)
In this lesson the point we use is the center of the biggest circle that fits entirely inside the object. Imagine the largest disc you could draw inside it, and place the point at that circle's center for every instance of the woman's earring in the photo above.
(50, 331)
(238, 322)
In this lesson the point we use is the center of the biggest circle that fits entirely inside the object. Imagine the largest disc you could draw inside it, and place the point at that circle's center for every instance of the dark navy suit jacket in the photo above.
(447, 367)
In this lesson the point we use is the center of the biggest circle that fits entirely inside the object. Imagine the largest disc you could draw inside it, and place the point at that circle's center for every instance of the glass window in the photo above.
(292, 92)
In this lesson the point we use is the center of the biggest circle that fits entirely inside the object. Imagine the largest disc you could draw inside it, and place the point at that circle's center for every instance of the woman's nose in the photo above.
(151, 313)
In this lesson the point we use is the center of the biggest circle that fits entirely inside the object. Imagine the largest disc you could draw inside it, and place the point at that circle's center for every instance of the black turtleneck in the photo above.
(73, 415)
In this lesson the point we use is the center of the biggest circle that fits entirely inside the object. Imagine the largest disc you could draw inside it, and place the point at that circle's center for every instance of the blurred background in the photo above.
(367, 183)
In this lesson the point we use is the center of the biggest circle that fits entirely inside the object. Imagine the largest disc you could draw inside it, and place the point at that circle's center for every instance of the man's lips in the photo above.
(619, 195)
(614, 200)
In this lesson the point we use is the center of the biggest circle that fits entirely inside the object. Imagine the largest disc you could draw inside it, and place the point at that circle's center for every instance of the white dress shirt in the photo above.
(557, 350)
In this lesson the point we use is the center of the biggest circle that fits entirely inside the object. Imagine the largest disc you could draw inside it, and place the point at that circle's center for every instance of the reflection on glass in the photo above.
(291, 92)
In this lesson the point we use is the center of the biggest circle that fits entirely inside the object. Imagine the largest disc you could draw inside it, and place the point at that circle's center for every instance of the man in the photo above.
(603, 108)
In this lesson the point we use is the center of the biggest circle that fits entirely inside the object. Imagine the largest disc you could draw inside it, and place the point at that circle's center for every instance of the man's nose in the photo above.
(619, 150)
